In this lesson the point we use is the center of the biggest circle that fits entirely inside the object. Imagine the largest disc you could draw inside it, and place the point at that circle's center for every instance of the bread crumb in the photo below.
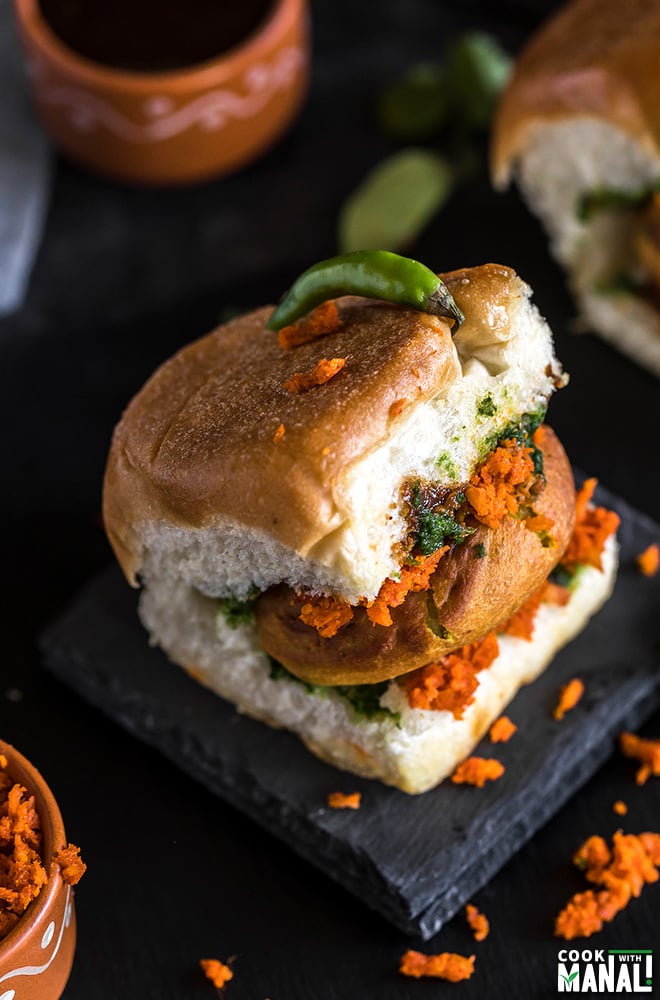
(477, 922)
(569, 696)
(323, 371)
(502, 730)
(338, 800)
(216, 972)
(649, 560)
(477, 771)
(645, 751)
(279, 433)
(620, 808)
(447, 965)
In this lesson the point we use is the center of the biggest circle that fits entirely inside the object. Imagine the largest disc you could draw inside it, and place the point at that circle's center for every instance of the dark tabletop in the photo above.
(122, 279)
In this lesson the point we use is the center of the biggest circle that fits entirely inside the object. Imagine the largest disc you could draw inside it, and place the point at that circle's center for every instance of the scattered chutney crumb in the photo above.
(651, 844)
(323, 371)
(569, 696)
(477, 771)
(449, 684)
(620, 808)
(394, 592)
(326, 614)
(396, 407)
(521, 623)
(217, 972)
(593, 526)
(477, 922)
(645, 751)
(446, 965)
(279, 433)
(622, 873)
(72, 866)
(322, 320)
(649, 560)
(502, 730)
(337, 800)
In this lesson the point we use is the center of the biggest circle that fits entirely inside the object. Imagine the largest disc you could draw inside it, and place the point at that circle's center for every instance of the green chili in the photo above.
(376, 274)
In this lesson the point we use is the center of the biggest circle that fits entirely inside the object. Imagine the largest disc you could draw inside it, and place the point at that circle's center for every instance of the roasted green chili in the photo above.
(376, 274)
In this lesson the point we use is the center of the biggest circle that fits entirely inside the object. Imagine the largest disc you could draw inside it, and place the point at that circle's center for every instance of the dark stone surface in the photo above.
(124, 277)
(440, 847)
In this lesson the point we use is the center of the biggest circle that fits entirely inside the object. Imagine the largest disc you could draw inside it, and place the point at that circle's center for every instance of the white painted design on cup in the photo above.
(209, 112)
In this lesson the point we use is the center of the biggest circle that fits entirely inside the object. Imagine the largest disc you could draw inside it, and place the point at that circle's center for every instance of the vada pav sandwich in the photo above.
(579, 129)
(357, 526)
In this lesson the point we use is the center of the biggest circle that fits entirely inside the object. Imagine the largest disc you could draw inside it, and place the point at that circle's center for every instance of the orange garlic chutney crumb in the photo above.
(72, 866)
(647, 752)
(502, 730)
(397, 407)
(321, 321)
(279, 433)
(593, 526)
(454, 968)
(394, 592)
(338, 800)
(501, 482)
(569, 696)
(620, 808)
(622, 873)
(477, 922)
(449, 684)
(326, 614)
(323, 371)
(477, 771)
(216, 972)
(649, 560)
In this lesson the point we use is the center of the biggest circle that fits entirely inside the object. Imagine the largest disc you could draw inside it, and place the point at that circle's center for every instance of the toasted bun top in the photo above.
(593, 58)
(200, 482)
(198, 440)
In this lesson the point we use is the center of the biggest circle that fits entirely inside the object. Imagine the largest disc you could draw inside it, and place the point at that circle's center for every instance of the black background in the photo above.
(123, 278)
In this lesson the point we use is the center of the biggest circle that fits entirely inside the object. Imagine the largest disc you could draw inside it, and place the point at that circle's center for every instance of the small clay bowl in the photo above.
(37, 954)
(174, 127)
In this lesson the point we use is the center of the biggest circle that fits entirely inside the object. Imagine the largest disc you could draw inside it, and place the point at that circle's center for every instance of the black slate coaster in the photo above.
(416, 860)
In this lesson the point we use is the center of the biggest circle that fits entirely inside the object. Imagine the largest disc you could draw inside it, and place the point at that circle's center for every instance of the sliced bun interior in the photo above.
(582, 116)
(414, 749)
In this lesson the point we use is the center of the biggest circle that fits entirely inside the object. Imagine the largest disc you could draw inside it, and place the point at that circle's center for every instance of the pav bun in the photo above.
(581, 117)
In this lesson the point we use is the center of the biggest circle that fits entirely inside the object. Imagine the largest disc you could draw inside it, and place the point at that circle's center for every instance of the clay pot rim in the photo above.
(219, 69)
(52, 828)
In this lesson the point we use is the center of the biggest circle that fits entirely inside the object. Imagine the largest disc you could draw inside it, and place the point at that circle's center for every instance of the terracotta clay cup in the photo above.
(173, 127)
(37, 954)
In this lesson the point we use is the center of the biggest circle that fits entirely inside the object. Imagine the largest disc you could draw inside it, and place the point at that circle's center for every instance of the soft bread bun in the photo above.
(197, 488)
(413, 750)
(468, 597)
(582, 114)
